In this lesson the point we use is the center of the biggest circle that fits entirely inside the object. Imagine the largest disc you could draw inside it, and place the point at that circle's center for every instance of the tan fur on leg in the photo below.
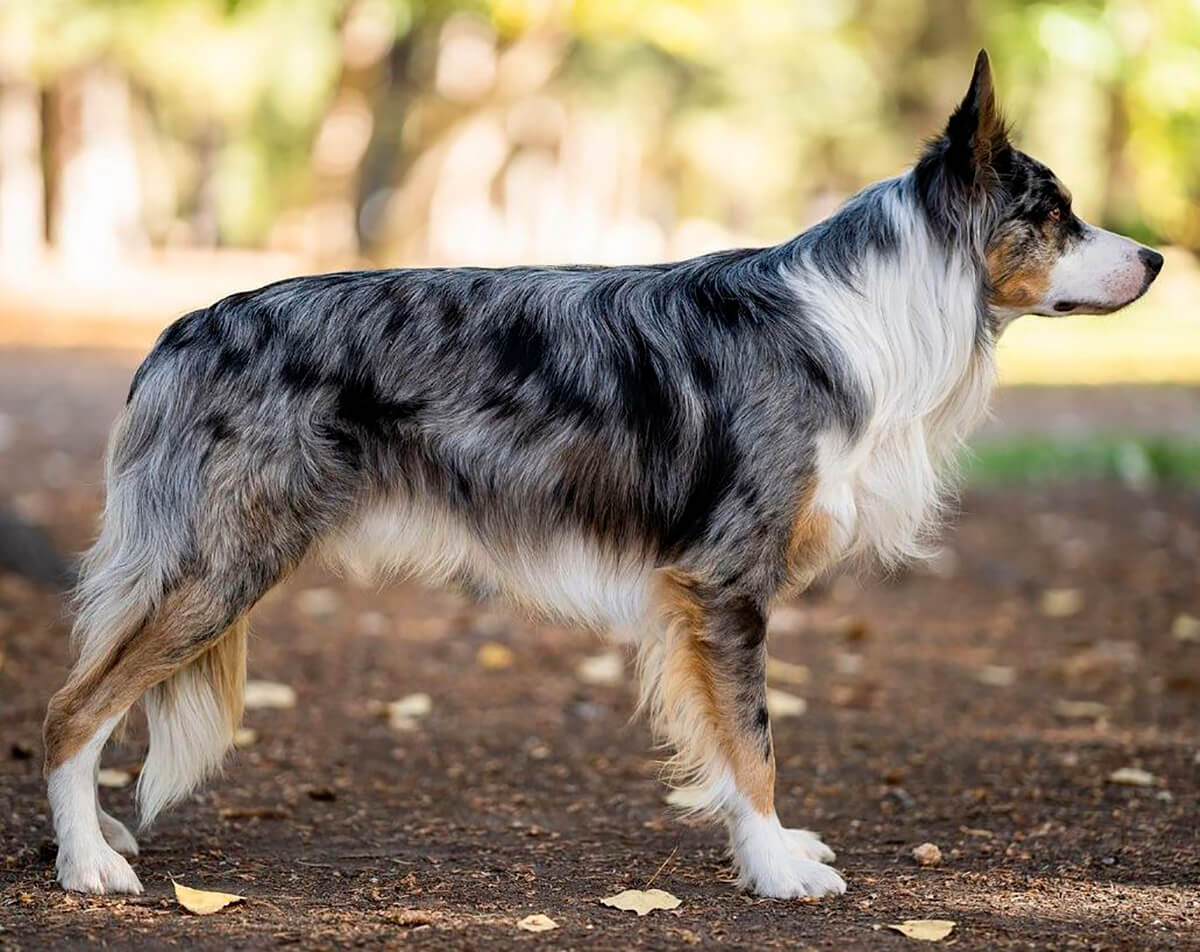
(695, 705)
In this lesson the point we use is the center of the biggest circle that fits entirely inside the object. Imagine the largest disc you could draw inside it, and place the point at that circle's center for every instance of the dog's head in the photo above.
(1040, 257)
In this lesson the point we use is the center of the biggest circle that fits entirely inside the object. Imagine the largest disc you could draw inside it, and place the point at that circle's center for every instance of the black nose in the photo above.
(1152, 260)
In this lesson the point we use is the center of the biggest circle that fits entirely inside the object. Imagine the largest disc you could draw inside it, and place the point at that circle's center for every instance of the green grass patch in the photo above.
(1132, 461)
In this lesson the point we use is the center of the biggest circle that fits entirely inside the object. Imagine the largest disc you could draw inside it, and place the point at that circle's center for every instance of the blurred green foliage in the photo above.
(758, 114)
(1136, 461)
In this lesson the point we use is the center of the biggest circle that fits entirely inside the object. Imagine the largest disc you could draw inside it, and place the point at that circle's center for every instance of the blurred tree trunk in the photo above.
(382, 164)
(1117, 200)
(348, 128)
(98, 194)
(22, 202)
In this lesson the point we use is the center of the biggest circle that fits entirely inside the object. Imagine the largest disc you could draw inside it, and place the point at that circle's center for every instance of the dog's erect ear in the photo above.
(976, 137)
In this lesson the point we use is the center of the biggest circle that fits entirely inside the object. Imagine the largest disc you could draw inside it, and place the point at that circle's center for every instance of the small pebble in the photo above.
(927, 854)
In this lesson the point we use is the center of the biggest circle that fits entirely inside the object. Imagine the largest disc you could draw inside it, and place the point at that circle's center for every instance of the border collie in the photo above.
(666, 450)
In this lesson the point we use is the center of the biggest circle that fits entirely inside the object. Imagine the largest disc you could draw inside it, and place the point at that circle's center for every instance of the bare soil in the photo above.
(935, 713)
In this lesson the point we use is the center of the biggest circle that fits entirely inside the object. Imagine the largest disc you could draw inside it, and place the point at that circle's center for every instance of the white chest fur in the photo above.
(884, 491)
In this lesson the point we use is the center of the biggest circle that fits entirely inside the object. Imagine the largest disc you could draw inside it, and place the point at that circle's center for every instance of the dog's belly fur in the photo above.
(562, 576)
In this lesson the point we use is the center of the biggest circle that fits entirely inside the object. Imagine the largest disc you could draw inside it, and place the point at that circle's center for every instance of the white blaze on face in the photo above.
(1098, 273)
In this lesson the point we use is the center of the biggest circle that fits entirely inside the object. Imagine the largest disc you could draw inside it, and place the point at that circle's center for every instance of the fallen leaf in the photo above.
(260, 694)
(111, 777)
(688, 798)
(642, 901)
(996, 675)
(494, 656)
(412, 705)
(1061, 602)
(537, 923)
(403, 714)
(927, 930)
(787, 672)
(201, 902)
(927, 854)
(318, 602)
(1079, 710)
(781, 704)
(1133, 777)
(1186, 628)
(604, 669)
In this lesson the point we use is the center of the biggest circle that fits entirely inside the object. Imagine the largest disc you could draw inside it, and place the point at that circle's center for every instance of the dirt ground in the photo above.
(939, 709)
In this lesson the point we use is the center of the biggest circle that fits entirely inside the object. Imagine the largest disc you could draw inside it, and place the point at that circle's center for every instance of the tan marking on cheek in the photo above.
(1019, 279)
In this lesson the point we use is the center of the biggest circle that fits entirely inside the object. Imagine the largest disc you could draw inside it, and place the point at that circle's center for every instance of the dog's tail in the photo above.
(192, 717)
(137, 585)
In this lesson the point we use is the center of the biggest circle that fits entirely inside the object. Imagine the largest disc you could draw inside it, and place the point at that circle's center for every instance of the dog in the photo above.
(663, 450)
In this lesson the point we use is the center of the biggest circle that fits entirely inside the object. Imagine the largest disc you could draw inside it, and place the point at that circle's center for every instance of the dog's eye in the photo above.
(1056, 214)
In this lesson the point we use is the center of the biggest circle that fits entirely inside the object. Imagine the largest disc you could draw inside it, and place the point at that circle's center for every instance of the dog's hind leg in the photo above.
(191, 658)
(169, 629)
(705, 682)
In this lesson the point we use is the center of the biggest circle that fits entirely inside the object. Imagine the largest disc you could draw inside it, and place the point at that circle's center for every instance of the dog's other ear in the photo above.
(976, 137)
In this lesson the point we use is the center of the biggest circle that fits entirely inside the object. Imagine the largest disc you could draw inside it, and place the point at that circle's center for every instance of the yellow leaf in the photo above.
(1133, 777)
(688, 798)
(781, 704)
(537, 923)
(996, 675)
(787, 672)
(641, 901)
(1186, 628)
(605, 669)
(927, 930)
(1061, 602)
(201, 902)
(494, 656)
(111, 777)
(269, 694)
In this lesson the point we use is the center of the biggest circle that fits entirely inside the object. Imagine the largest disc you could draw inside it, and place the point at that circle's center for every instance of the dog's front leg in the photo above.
(706, 682)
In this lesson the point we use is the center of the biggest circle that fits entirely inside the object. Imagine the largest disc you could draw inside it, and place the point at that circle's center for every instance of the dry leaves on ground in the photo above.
(1186, 628)
(996, 675)
(114, 778)
(1061, 602)
(687, 798)
(926, 930)
(494, 656)
(403, 714)
(269, 694)
(642, 901)
(201, 901)
(781, 704)
(1133, 777)
(605, 669)
(786, 672)
(537, 923)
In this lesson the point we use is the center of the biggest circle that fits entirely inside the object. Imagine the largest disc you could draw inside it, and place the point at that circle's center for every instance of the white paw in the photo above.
(795, 879)
(117, 835)
(806, 845)
(96, 869)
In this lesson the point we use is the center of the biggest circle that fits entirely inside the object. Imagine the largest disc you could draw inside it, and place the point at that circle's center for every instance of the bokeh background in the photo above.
(156, 153)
